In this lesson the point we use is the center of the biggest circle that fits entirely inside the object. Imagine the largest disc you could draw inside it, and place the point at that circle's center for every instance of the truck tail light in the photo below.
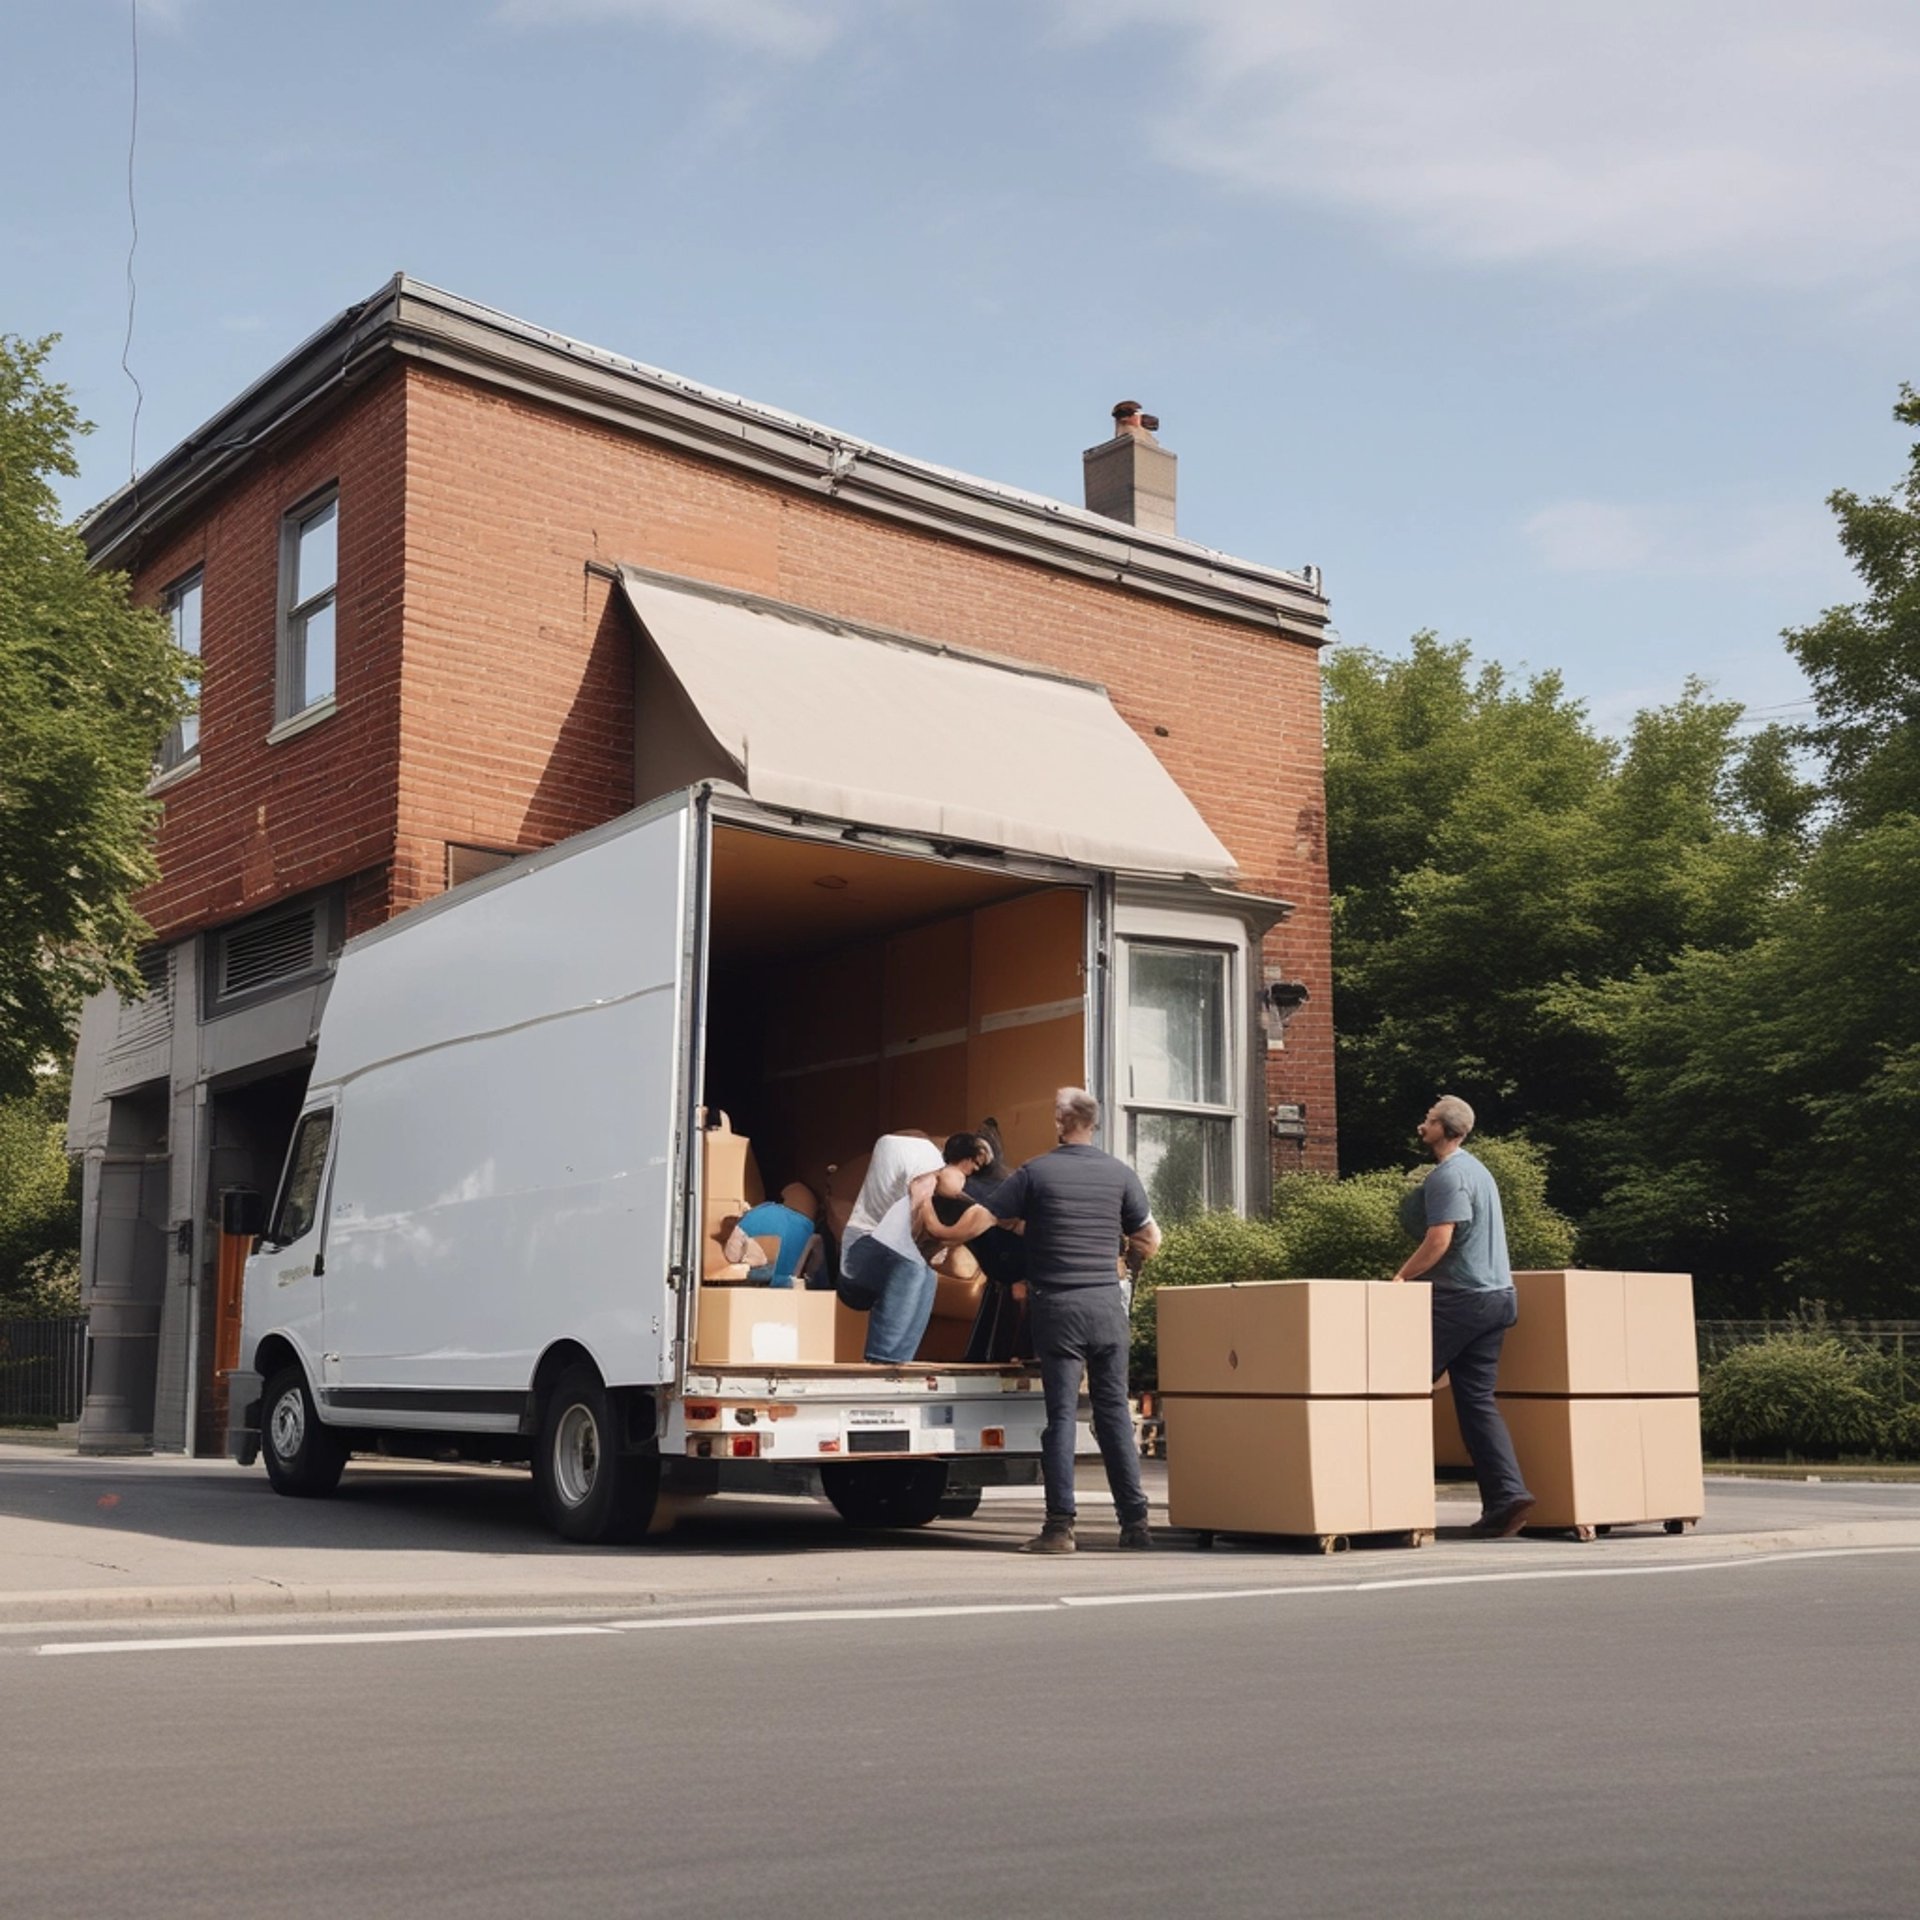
(701, 1412)
(993, 1437)
(744, 1446)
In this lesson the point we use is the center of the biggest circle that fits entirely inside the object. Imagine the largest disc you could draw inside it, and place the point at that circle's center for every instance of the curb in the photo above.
(272, 1601)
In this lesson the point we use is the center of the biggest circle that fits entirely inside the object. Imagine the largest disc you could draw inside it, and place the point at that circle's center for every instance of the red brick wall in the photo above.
(258, 823)
(517, 705)
(467, 518)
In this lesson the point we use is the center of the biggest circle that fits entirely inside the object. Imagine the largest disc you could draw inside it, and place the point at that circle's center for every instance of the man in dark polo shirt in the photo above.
(1080, 1208)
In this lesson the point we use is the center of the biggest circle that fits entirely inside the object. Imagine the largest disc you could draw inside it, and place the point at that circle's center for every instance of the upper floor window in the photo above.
(182, 608)
(309, 577)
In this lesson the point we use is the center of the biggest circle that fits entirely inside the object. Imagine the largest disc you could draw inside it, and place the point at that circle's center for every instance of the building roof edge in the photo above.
(413, 320)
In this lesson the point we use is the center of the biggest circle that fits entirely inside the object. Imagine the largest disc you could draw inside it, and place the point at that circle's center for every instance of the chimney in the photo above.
(1130, 477)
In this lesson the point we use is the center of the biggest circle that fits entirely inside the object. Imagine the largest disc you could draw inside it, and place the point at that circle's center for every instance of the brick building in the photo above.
(398, 556)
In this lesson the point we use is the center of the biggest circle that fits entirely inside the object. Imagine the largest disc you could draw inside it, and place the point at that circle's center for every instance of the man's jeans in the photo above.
(894, 1291)
(1469, 1327)
(1078, 1330)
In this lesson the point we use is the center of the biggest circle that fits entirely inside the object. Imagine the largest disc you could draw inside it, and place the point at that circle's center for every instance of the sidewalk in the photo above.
(168, 1538)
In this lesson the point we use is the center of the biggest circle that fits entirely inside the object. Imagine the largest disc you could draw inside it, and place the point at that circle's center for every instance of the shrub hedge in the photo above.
(1807, 1395)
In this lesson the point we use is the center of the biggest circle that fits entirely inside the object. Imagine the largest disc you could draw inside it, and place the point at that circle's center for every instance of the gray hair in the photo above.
(1078, 1105)
(1454, 1115)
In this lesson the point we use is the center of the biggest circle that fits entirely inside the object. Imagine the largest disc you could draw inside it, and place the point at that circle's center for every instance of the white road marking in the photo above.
(1475, 1579)
(825, 1616)
(201, 1643)
(830, 1613)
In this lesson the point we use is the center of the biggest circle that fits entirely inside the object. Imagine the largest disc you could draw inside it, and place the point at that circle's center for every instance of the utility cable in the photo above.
(133, 246)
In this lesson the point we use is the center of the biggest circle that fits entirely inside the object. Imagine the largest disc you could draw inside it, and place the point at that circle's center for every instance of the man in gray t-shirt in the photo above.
(1463, 1252)
(1081, 1208)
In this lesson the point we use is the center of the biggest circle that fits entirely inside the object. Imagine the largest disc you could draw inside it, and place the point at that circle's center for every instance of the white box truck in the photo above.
(493, 1236)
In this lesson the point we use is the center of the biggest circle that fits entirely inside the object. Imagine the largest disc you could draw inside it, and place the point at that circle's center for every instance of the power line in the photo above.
(133, 246)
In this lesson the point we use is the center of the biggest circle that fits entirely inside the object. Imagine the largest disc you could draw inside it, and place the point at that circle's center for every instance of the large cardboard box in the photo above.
(769, 1326)
(1604, 1333)
(728, 1170)
(1670, 1459)
(1338, 1337)
(1247, 1464)
(1607, 1461)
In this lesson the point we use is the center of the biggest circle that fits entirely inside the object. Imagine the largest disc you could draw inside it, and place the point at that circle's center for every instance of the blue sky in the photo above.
(1546, 326)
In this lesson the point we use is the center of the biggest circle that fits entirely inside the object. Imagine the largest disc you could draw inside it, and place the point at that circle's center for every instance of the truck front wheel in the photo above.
(885, 1493)
(304, 1458)
(587, 1487)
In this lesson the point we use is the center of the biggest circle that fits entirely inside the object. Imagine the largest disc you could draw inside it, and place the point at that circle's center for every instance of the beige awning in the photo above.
(895, 733)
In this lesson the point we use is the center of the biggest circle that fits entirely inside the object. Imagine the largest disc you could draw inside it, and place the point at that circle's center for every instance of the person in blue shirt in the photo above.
(1456, 1213)
(793, 1220)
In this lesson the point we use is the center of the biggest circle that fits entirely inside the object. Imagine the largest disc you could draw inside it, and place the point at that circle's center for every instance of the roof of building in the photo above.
(412, 321)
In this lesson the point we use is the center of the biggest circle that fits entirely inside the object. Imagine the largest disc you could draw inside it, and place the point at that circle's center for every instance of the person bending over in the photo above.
(882, 1271)
(793, 1220)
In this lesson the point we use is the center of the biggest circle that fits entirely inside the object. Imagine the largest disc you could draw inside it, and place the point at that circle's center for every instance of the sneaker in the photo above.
(1137, 1538)
(1055, 1537)
(1505, 1523)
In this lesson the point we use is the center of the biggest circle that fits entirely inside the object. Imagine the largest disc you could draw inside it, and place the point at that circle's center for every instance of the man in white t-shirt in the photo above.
(882, 1273)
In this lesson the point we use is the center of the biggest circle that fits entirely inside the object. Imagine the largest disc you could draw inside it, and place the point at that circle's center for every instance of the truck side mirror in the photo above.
(243, 1210)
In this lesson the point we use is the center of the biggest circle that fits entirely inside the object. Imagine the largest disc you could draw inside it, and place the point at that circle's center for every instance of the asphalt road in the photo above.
(1736, 1739)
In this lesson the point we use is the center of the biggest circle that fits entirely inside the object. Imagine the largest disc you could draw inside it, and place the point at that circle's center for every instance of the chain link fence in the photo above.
(1899, 1340)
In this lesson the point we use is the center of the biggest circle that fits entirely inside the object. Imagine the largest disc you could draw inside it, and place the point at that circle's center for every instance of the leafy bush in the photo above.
(1340, 1229)
(1207, 1250)
(47, 1287)
(39, 1195)
(1537, 1236)
(1799, 1394)
(1900, 1432)
(1350, 1229)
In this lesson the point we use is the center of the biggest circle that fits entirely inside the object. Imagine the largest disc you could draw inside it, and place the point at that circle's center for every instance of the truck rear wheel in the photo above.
(885, 1493)
(587, 1487)
(304, 1457)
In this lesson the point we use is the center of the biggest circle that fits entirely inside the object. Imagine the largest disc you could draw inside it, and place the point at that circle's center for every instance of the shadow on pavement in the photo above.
(415, 1508)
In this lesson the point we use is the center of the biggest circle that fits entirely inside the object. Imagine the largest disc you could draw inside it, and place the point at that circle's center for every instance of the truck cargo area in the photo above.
(851, 993)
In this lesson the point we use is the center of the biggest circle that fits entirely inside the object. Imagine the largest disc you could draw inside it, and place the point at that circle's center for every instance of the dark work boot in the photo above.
(1136, 1537)
(1055, 1537)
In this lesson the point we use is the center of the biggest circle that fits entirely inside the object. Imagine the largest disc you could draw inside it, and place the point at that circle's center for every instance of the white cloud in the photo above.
(1765, 141)
(1673, 539)
(786, 29)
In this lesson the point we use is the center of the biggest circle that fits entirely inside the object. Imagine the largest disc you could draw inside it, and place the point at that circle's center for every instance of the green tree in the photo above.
(1775, 1096)
(89, 687)
(39, 1200)
(1774, 1088)
(1494, 860)
(1864, 660)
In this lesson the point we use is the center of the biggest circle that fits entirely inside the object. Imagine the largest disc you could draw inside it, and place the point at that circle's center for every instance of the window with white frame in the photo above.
(309, 578)
(182, 608)
(1181, 1115)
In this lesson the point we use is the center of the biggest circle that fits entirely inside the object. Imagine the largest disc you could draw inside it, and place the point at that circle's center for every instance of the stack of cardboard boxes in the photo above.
(1298, 1407)
(1599, 1384)
(740, 1324)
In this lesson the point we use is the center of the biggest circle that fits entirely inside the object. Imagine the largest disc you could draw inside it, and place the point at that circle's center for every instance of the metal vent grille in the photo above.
(267, 951)
(149, 1018)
